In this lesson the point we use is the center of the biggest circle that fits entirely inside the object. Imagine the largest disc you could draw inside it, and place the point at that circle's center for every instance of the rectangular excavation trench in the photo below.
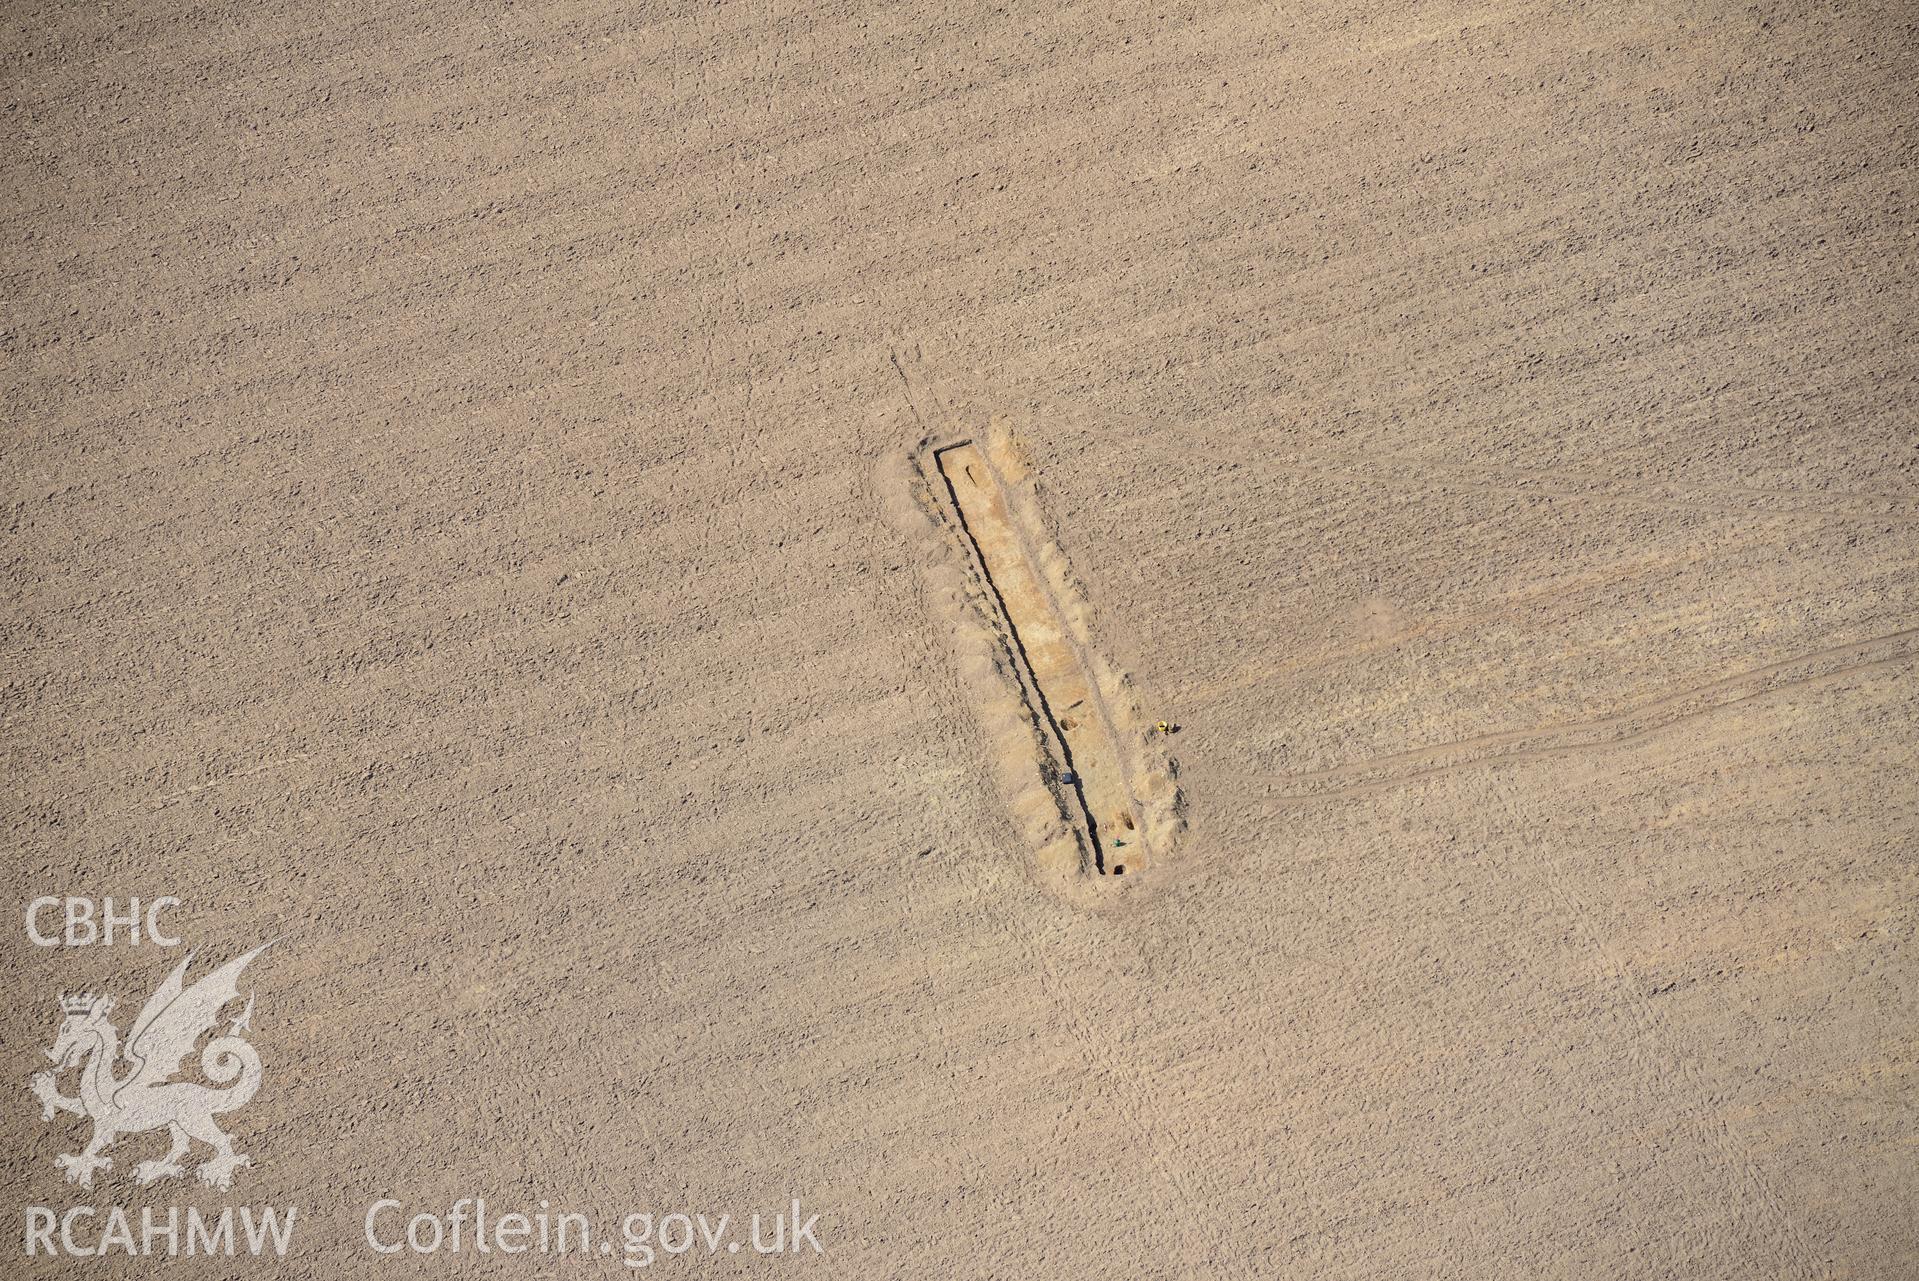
(1069, 702)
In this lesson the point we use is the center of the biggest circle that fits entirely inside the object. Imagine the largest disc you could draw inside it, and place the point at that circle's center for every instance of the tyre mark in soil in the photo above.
(1398, 472)
(1637, 723)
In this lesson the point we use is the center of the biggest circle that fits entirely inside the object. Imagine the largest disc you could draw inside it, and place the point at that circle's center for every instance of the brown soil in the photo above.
(467, 521)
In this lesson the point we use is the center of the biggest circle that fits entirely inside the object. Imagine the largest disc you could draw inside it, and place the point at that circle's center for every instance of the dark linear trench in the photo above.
(1024, 663)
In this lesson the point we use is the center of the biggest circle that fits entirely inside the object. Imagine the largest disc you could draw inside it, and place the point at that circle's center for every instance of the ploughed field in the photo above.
(461, 525)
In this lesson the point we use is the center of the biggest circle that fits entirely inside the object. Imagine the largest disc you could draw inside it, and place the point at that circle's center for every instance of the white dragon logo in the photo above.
(171, 1022)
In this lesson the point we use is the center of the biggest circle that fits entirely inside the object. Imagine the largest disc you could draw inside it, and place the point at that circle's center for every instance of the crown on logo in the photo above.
(85, 1003)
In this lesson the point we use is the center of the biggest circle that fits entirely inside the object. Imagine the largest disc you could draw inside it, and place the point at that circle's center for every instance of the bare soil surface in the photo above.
(449, 533)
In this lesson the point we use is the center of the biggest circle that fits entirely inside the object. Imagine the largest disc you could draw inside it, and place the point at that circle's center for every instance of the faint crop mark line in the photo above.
(159, 803)
(1631, 720)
